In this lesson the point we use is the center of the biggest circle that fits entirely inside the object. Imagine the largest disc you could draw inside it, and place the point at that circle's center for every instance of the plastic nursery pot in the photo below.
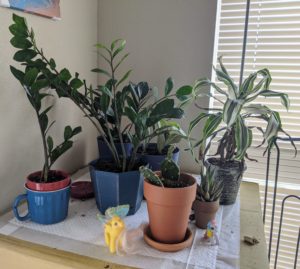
(44, 207)
(104, 152)
(63, 181)
(231, 174)
(154, 160)
(205, 212)
(112, 188)
(169, 209)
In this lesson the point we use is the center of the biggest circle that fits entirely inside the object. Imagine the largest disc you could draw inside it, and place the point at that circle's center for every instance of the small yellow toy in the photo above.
(114, 226)
(211, 237)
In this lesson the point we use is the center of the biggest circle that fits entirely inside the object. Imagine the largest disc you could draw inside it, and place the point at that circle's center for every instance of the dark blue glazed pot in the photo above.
(113, 189)
(44, 207)
(104, 152)
(154, 161)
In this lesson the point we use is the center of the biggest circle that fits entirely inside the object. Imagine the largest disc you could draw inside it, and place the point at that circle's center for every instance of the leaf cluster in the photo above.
(240, 104)
(210, 189)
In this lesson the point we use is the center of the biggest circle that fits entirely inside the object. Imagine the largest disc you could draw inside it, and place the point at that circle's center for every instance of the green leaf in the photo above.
(19, 20)
(274, 125)
(60, 150)
(65, 75)
(184, 92)
(20, 42)
(285, 101)
(211, 124)
(169, 86)
(114, 43)
(50, 143)
(30, 76)
(101, 46)
(18, 30)
(52, 64)
(121, 61)
(68, 133)
(119, 49)
(24, 55)
(101, 71)
(247, 86)
(18, 74)
(43, 120)
(76, 83)
(243, 138)
(105, 90)
(40, 84)
(231, 111)
(195, 121)
(76, 131)
(124, 78)
(131, 114)
(104, 102)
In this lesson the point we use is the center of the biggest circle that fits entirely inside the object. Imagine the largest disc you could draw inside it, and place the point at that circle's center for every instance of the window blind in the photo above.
(273, 42)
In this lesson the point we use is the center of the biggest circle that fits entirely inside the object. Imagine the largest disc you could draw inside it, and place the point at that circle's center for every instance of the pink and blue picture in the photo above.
(46, 8)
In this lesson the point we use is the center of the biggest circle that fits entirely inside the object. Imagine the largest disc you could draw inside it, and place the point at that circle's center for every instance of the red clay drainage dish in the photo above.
(82, 190)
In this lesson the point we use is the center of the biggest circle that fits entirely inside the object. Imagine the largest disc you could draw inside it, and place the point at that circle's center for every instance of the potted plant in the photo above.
(169, 195)
(155, 152)
(207, 200)
(47, 190)
(231, 123)
(117, 113)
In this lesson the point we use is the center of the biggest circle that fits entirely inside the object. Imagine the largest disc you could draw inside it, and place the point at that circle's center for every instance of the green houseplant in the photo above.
(169, 196)
(208, 195)
(239, 105)
(35, 85)
(109, 107)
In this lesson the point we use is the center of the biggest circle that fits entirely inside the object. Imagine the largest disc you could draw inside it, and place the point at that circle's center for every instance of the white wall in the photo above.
(70, 41)
(165, 38)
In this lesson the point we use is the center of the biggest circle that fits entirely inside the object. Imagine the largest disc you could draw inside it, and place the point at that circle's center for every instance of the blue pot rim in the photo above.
(45, 192)
(108, 172)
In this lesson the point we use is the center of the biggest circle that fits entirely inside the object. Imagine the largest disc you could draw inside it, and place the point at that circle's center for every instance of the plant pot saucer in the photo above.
(82, 190)
(187, 242)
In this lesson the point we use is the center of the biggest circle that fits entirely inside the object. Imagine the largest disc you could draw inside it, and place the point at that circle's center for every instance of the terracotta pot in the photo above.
(205, 212)
(169, 209)
(48, 186)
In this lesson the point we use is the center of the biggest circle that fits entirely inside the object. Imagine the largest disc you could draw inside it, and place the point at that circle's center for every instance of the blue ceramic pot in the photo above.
(154, 161)
(113, 189)
(44, 207)
(104, 152)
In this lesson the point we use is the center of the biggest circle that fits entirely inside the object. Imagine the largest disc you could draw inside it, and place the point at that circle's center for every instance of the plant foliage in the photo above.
(240, 105)
(34, 82)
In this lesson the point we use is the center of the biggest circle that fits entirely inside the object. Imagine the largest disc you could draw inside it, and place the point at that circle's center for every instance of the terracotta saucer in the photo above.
(187, 242)
(82, 190)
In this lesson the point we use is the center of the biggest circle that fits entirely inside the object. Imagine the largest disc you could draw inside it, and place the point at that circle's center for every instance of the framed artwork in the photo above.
(46, 8)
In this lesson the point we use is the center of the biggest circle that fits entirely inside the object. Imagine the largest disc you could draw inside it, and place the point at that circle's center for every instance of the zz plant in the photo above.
(170, 173)
(239, 105)
(34, 84)
(106, 106)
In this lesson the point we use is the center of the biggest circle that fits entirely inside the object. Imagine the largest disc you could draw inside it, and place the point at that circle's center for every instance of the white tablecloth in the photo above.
(82, 225)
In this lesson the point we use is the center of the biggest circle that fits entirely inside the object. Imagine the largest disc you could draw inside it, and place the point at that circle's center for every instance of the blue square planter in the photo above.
(113, 189)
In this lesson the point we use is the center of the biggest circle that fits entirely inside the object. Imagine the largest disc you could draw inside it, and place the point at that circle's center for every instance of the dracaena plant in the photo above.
(239, 103)
(105, 106)
(209, 190)
(35, 86)
(170, 173)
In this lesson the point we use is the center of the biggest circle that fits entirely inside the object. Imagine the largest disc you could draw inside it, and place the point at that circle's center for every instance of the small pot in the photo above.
(231, 174)
(205, 212)
(48, 186)
(112, 189)
(154, 161)
(105, 153)
(169, 209)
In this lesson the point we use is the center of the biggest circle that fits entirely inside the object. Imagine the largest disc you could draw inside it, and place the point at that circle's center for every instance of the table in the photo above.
(23, 247)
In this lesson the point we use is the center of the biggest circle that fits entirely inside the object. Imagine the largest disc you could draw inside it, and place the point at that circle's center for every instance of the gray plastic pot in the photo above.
(230, 173)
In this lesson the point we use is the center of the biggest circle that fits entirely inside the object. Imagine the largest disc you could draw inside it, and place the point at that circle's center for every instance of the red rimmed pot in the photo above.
(59, 180)
(169, 209)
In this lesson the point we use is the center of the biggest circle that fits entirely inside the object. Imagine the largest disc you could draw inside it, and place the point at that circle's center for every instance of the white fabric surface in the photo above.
(82, 225)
